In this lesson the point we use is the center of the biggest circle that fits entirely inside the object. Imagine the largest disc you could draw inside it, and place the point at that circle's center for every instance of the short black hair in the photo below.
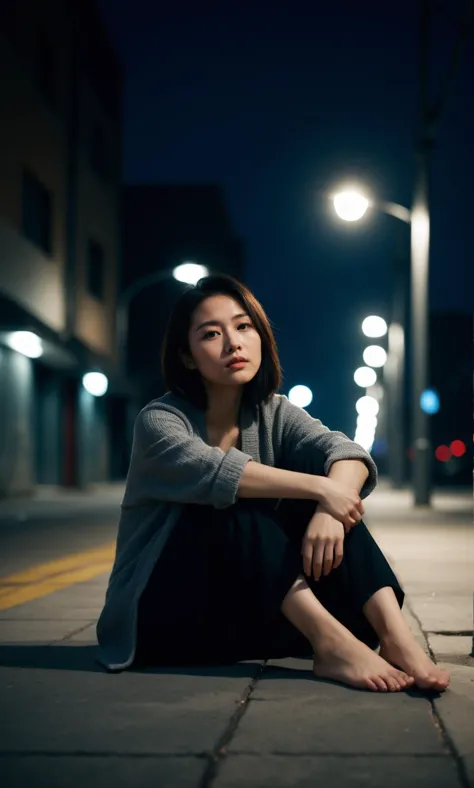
(188, 383)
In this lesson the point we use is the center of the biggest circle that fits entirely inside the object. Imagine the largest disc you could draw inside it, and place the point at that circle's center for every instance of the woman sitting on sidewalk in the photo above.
(241, 535)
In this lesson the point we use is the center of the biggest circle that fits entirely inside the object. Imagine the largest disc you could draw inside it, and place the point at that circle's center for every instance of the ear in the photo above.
(187, 360)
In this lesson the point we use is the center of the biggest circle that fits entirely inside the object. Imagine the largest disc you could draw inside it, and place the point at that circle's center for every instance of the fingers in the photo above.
(327, 557)
(355, 515)
(318, 558)
(307, 553)
(338, 553)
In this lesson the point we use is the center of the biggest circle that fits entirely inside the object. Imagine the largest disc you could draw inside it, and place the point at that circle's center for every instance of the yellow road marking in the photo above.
(46, 578)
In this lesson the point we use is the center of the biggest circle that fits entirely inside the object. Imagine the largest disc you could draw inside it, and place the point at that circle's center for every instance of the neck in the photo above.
(223, 405)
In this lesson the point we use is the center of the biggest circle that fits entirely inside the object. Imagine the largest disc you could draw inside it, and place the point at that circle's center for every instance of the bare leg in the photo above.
(397, 643)
(338, 655)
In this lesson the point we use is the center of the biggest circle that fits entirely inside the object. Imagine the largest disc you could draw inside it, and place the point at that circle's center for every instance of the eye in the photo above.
(206, 335)
(247, 325)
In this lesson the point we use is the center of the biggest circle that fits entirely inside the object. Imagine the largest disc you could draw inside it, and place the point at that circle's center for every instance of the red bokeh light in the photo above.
(458, 448)
(443, 453)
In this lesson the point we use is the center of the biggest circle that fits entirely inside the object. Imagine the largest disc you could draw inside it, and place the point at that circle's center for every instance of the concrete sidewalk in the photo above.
(54, 501)
(63, 721)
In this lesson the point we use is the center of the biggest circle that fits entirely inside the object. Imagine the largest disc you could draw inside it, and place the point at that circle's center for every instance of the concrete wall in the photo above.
(17, 466)
(97, 218)
(92, 446)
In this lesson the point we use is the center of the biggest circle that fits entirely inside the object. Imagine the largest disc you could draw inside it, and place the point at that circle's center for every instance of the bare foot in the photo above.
(341, 657)
(404, 651)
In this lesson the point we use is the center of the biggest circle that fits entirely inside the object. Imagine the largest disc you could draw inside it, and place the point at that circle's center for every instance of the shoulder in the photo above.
(164, 414)
(281, 409)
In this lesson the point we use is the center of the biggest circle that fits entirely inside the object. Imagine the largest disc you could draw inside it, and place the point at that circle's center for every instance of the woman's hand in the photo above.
(341, 502)
(322, 546)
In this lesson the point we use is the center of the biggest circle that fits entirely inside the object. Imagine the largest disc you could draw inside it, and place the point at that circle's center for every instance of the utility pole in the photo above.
(429, 116)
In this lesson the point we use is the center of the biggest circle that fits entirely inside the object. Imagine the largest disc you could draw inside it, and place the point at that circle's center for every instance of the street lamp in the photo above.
(349, 203)
(188, 272)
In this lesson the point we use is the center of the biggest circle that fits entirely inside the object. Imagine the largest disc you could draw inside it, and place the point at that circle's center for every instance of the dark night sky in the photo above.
(274, 102)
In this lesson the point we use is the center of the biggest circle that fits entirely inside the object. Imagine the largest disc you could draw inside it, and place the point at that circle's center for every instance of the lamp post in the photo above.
(430, 112)
(189, 273)
(351, 205)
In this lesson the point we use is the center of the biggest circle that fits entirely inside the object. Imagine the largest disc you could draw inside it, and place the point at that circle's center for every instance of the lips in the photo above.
(237, 360)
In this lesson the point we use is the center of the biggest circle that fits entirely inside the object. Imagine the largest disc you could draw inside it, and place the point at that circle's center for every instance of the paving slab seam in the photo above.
(99, 754)
(339, 754)
(449, 744)
(436, 715)
(220, 750)
(71, 634)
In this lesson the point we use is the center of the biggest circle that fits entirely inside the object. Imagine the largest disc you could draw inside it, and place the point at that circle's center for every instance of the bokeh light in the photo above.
(443, 453)
(365, 376)
(374, 356)
(374, 326)
(95, 383)
(301, 396)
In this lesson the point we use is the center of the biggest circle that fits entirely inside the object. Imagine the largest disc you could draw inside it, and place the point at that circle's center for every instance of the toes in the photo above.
(392, 683)
(404, 679)
(398, 676)
(441, 681)
(378, 680)
(430, 682)
(372, 685)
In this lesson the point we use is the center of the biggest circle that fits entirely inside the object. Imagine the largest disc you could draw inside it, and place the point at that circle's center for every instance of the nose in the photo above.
(233, 346)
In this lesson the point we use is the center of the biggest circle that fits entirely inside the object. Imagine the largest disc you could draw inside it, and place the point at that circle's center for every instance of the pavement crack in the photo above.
(339, 754)
(450, 746)
(97, 754)
(437, 718)
(220, 750)
(71, 634)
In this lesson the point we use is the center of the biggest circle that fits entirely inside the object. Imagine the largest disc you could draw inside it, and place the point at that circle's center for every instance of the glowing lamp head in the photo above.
(350, 205)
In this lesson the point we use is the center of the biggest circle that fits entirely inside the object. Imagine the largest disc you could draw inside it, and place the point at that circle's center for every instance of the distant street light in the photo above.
(349, 205)
(365, 377)
(367, 406)
(96, 383)
(374, 326)
(301, 396)
(374, 356)
(26, 342)
(188, 272)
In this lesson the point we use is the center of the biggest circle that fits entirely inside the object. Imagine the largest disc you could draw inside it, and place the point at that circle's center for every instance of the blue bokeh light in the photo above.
(429, 401)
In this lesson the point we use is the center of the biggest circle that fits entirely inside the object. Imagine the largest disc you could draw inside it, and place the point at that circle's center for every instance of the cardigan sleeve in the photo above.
(170, 463)
(302, 436)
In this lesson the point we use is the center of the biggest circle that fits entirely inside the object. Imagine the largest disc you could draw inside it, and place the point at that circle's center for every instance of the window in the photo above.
(36, 219)
(46, 68)
(95, 270)
(98, 151)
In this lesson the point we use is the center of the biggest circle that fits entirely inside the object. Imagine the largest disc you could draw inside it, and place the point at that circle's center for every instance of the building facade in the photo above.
(60, 154)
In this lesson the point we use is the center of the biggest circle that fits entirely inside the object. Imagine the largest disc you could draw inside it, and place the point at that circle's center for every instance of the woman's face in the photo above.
(228, 332)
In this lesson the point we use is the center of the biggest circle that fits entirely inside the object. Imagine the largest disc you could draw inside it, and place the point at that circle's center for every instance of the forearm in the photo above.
(263, 481)
(352, 473)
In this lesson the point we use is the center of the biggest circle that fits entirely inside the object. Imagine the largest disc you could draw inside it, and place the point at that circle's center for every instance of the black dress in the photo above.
(216, 591)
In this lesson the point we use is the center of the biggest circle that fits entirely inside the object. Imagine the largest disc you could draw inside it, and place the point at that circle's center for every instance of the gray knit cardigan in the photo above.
(172, 465)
